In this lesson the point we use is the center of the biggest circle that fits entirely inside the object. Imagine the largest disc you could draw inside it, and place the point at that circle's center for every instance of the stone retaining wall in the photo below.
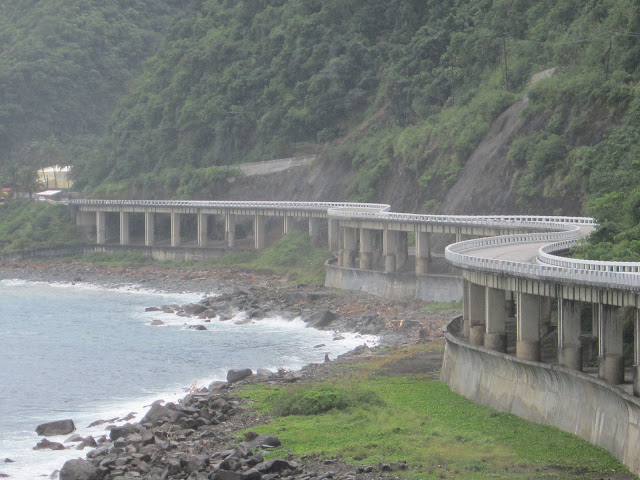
(575, 402)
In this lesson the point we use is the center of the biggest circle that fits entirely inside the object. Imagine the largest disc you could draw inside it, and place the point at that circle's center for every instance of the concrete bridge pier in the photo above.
(423, 251)
(203, 230)
(466, 307)
(636, 352)
(287, 225)
(314, 231)
(176, 239)
(101, 227)
(334, 236)
(402, 250)
(124, 228)
(528, 327)
(230, 229)
(86, 221)
(389, 249)
(366, 248)
(149, 229)
(495, 337)
(477, 312)
(610, 346)
(350, 244)
(569, 346)
(545, 315)
(258, 232)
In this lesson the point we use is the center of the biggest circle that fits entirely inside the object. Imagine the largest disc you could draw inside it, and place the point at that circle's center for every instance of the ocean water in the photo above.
(89, 353)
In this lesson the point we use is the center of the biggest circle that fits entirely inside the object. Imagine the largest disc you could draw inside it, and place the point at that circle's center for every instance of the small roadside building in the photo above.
(49, 196)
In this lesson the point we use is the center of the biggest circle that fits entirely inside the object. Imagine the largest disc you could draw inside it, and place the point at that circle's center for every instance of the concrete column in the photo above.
(402, 252)
(314, 231)
(350, 242)
(528, 327)
(466, 315)
(124, 228)
(230, 229)
(545, 315)
(175, 229)
(203, 230)
(423, 251)
(389, 249)
(258, 232)
(495, 337)
(595, 319)
(101, 227)
(149, 228)
(636, 352)
(610, 359)
(477, 312)
(334, 235)
(366, 249)
(287, 225)
(458, 236)
(86, 221)
(569, 346)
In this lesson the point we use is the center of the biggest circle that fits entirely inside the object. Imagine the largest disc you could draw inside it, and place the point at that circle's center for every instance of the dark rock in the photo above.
(87, 442)
(320, 345)
(123, 431)
(235, 375)
(276, 466)
(157, 322)
(197, 463)
(253, 440)
(157, 412)
(60, 427)
(74, 438)
(127, 417)
(251, 474)
(78, 469)
(152, 309)
(197, 327)
(227, 475)
(194, 308)
(322, 319)
(45, 444)
(8, 460)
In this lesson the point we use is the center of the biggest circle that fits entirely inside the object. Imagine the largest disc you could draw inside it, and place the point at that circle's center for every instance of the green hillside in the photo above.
(63, 66)
(381, 86)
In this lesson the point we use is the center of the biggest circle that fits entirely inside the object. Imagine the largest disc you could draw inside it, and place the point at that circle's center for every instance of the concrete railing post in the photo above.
(610, 347)
(258, 232)
(495, 337)
(101, 227)
(569, 346)
(366, 249)
(350, 242)
(528, 327)
(389, 249)
(477, 312)
(203, 230)
(423, 251)
(124, 228)
(175, 229)
(230, 229)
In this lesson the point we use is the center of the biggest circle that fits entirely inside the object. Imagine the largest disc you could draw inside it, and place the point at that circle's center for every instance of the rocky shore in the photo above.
(199, 436)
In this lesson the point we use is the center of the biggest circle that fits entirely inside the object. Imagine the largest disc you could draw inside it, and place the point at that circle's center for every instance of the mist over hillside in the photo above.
(426, 105)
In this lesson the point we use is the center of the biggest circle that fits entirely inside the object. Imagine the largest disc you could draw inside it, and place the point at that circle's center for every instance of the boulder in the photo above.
(253, 440)
(78, 469)
(276, 466)
(235, 375)
(59, 427)
(45, 444)
(87, 442)
(194, 308)
(197, 327)
(156, 412)
(152, 309)
(74, 438)
(123, 431)
(322, 319)
(157, 322)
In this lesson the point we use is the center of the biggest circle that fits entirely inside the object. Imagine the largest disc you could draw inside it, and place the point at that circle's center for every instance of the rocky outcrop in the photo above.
(79, 469)
(59, 427)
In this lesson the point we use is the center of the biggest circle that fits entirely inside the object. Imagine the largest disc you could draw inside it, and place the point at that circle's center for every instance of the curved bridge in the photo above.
(508, 263)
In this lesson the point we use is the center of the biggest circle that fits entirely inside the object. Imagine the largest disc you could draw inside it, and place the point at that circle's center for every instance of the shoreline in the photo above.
(354, 312)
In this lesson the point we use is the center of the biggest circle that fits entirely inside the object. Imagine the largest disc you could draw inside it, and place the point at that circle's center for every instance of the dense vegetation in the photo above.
(33, 225)
(63, 66)
(383, 85)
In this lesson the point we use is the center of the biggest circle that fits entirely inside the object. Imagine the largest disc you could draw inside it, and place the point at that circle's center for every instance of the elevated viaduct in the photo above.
(506, 264)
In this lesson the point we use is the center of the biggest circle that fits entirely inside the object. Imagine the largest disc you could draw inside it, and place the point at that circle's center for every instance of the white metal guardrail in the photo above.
(545, 257)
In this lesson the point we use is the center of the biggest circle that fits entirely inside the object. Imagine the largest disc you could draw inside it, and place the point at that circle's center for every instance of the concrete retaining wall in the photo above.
(431, 288)
(572, 401)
